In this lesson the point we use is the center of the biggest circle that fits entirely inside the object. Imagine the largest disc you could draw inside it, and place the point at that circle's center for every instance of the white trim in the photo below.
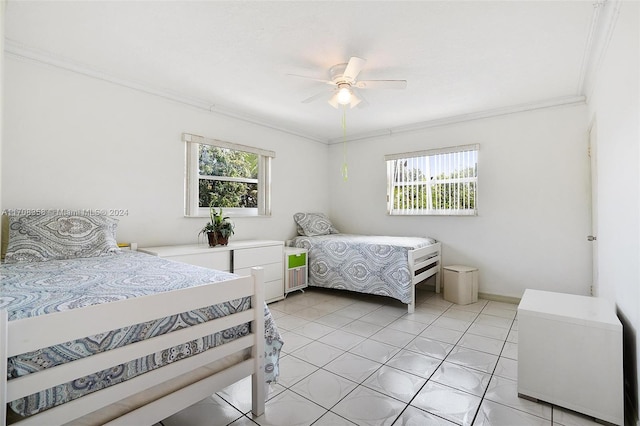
(192, 178)
(462, 118)
(19, 51)
(603, 23)
(191, 182)
(264, 186)
(401, 203)
(436, 151)
(188, 137)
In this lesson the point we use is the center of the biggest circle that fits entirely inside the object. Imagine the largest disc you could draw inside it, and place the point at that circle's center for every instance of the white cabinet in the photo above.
(570, 353)
(269, 257)
(237, 257)
(197, 254)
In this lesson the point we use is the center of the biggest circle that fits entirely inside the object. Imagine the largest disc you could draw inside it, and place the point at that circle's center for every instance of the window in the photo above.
(434, 182)
(235, 177)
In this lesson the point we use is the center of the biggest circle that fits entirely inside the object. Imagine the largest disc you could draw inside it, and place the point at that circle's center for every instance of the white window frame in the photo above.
(192, 177)
(443, 163)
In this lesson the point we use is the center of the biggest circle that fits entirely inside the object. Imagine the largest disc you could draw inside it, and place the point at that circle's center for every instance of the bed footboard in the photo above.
(29, 334)
(424, 262)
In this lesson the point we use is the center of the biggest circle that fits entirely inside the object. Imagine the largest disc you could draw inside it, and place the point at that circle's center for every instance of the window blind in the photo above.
(440, 181)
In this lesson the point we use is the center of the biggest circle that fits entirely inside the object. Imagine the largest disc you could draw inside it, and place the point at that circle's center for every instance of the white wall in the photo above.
(533, 199)
(76, 142)
(615, 107)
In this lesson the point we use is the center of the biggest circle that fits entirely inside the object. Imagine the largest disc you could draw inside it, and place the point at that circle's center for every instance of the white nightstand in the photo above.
(295, 265)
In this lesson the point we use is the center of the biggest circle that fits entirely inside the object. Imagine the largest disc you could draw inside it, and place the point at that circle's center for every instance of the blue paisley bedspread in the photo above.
(363, 263)
(30, 289)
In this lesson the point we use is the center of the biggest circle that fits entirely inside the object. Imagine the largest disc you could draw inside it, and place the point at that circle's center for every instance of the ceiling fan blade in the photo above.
(382, 84)
(313, 78)
(354, 67)
(315, 97)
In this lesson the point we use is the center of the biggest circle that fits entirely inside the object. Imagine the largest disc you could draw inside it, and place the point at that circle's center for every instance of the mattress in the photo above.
(36, 288)
(363, 263)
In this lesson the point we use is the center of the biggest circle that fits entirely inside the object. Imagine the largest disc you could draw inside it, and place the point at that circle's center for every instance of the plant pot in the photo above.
(216, 239)
(223, 241)
(211, 236)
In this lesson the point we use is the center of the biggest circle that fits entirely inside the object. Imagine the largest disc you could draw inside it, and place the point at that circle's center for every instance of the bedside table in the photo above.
(295, 273)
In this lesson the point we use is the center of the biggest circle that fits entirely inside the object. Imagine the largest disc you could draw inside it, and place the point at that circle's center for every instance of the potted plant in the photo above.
(219, 229)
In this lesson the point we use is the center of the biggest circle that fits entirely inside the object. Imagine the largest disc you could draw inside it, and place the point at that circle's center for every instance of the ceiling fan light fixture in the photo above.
(333, 101)
(344, 79)
(344, 94)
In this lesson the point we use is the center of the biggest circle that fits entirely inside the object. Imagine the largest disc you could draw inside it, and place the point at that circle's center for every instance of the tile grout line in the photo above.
(361, 383)
(399, 348)
(494, 370)
(408, 404)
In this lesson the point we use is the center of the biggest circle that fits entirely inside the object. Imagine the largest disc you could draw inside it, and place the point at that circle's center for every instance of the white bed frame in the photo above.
(424, 262)
(157, 394)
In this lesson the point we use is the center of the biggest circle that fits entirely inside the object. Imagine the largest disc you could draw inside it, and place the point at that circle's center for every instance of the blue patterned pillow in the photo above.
(42, 237)
(311, 224)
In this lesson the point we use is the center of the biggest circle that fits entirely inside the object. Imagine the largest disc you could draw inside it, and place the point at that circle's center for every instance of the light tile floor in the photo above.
(351, 359)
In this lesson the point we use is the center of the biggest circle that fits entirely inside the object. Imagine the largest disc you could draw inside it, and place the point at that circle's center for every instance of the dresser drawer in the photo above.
(246, 258)
(238, 257)
(218, 260)
(272, 271)
(295, 260)
(273, 291)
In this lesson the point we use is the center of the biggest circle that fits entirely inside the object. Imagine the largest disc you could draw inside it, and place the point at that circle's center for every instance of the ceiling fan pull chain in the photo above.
(344, 143)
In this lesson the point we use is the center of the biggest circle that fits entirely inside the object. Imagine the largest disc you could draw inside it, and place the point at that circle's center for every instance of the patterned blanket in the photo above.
(363, 263)
(35, 288)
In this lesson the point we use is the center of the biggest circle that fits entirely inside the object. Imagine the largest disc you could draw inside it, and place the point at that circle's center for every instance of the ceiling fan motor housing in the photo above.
(336, 73)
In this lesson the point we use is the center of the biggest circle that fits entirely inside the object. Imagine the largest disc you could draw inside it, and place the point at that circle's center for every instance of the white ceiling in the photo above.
(459, 58)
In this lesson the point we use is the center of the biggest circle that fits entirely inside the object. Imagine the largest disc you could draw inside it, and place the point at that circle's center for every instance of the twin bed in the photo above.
(381, 265)
(93, 335)
(90, 334)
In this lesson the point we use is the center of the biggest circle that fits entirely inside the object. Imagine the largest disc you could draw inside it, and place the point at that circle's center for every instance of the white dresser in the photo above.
(237, 257)
(570, 353)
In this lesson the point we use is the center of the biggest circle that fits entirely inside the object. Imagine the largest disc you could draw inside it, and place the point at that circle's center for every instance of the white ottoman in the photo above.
(570, 353)
(460, 284)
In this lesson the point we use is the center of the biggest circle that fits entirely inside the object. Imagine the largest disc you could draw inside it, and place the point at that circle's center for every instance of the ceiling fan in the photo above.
(345, 84)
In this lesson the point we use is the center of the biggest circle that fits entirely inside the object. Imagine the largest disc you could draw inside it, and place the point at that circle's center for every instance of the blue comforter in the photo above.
(30, 289)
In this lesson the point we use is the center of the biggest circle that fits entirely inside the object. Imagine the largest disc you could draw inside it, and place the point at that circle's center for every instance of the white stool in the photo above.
(460, 284)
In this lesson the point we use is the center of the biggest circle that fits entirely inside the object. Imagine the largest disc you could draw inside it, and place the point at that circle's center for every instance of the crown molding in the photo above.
(446, 121)
(594, 52)
(19, 51)
(603, 22)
